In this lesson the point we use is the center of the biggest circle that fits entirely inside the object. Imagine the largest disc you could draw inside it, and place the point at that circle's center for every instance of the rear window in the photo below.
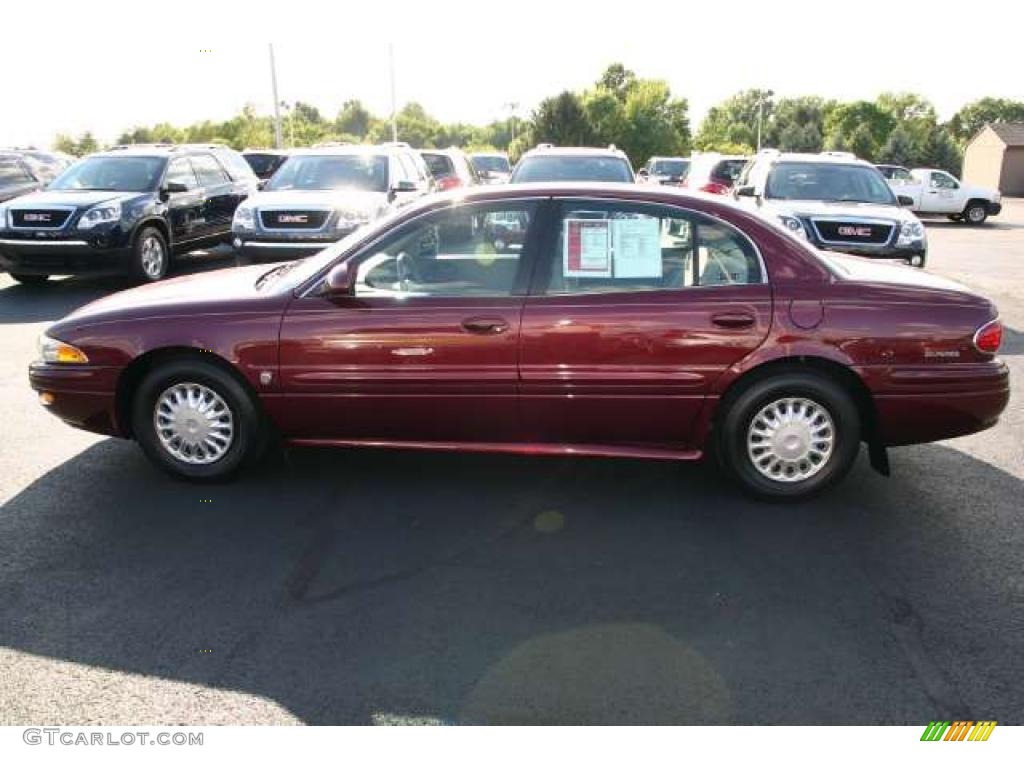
(670, 167)
(493, 163)
(572, 168)
(727, 171)
(263, 165)
(439, 165)
(11, 172)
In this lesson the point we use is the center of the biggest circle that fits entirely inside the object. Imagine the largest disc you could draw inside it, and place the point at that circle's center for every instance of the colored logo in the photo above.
(961, 730)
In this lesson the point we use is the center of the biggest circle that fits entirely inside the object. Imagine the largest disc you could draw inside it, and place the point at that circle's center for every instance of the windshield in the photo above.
(116, 174)
(572, 168)
(263, 165)
(832, 182)
(309, 172)
(439, 165)
(494, 163)
(670, 167)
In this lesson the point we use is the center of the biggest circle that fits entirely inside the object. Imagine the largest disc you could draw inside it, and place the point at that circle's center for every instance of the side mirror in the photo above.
(905, 201)
(642, 173)
(747, 190)
(401, 186)
(172, 188)
(340, 281)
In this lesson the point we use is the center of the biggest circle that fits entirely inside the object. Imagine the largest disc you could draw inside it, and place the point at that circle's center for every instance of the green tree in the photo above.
(974, 116)
(862, 143)
(899, 148)
(618, 80)
(562, 120)
(353, 118)
(734, 121)
(941, 151)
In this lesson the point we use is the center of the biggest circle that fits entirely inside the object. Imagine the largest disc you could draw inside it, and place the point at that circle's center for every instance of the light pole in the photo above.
(277, 110)
(394, 111)
(512, 106)
(760, 114)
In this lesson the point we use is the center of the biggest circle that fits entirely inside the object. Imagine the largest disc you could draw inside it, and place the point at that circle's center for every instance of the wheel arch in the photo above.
(848, 378)
(157, 223)
(130, 379)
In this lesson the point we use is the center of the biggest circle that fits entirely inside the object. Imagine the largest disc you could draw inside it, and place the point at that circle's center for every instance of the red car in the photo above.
(634, 321)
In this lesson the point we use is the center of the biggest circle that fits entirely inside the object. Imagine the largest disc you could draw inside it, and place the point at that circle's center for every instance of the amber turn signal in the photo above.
(57, 351)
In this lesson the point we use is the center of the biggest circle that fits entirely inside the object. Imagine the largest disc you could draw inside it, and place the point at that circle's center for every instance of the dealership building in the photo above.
(995, 158)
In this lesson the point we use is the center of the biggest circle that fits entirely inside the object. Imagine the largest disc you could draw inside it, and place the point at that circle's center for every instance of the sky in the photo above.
(108, 66)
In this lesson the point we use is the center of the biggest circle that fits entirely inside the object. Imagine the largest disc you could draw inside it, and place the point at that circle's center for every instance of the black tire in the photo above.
(744, 408)
(975, 213)
(29, 279)
(917, 261)
(248, 433)
(142, 268)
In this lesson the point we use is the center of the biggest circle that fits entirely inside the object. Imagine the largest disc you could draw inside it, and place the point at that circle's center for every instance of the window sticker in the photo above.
(636, 247)
(587, 250)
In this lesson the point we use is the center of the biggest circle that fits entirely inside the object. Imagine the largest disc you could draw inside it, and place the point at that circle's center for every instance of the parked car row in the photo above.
(130, 209)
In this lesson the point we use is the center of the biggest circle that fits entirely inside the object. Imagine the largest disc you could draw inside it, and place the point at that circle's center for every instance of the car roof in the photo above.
(832, 158)
(577, 152)
(158, 150)
(656, 158)
(346, 149)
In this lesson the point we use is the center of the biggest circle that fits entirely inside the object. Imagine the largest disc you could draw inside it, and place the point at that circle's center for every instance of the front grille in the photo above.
(39, 218)
(293, 219)
(858, 232)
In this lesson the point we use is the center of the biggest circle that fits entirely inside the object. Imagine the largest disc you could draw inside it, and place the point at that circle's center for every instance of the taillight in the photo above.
(988, 338)
(715, 188)
(449, 182)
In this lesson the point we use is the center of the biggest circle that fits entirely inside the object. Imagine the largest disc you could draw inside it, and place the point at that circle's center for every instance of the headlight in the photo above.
(911, 231)
(56, 351)
(104, 213)
(793, 225)
(245, 218)
(351, 219)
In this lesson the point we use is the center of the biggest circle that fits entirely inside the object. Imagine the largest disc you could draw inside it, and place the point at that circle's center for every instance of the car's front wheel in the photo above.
(194, 420)
(788, 436)
(975, 213)
(150, 256)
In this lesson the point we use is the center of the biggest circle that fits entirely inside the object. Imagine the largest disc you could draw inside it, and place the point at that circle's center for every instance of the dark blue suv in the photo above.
(125, 211)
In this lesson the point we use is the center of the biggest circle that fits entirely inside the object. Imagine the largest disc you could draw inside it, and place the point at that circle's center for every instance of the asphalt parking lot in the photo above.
(383, 587)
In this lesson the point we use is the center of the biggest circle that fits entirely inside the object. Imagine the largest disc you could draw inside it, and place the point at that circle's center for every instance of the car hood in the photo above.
(338, 199)
(823, 208)
(223, 290)
(866, 270)
(80, 198)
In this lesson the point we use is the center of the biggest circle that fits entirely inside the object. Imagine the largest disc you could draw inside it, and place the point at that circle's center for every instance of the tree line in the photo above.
(638, 115)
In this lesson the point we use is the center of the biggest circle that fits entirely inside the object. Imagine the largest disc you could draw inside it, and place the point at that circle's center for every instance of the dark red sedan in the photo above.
(628, 321)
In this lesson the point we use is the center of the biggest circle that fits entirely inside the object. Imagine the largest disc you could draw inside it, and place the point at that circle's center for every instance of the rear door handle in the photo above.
(733, 320)
(485, 325)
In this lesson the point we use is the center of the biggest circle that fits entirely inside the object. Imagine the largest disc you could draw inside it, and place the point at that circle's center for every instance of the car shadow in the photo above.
(57, 297)
(375, 587)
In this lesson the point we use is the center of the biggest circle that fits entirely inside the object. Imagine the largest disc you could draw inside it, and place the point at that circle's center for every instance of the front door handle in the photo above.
(733, 320)
(485, 325)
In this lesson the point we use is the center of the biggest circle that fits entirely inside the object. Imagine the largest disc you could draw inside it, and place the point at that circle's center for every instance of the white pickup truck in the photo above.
(933, 192)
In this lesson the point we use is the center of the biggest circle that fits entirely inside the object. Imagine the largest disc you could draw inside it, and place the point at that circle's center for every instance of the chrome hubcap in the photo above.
(790, 439)
(194, 423)
(152, 257)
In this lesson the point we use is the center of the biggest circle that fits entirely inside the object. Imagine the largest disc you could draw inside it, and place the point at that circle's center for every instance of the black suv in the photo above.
(125, 211)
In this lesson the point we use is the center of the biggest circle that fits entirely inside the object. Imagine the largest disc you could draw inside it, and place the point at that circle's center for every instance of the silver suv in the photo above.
(320, 195)
(550, 163)
(833, 200)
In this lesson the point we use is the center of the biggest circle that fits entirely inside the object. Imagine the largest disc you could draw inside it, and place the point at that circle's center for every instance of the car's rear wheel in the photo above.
(150, 256)
(789, 436)
(196, 421)
(29, 279)
(975, 213)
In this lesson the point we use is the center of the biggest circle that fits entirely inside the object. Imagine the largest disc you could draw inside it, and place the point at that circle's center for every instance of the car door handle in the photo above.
(485, 325)
(733, 320)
